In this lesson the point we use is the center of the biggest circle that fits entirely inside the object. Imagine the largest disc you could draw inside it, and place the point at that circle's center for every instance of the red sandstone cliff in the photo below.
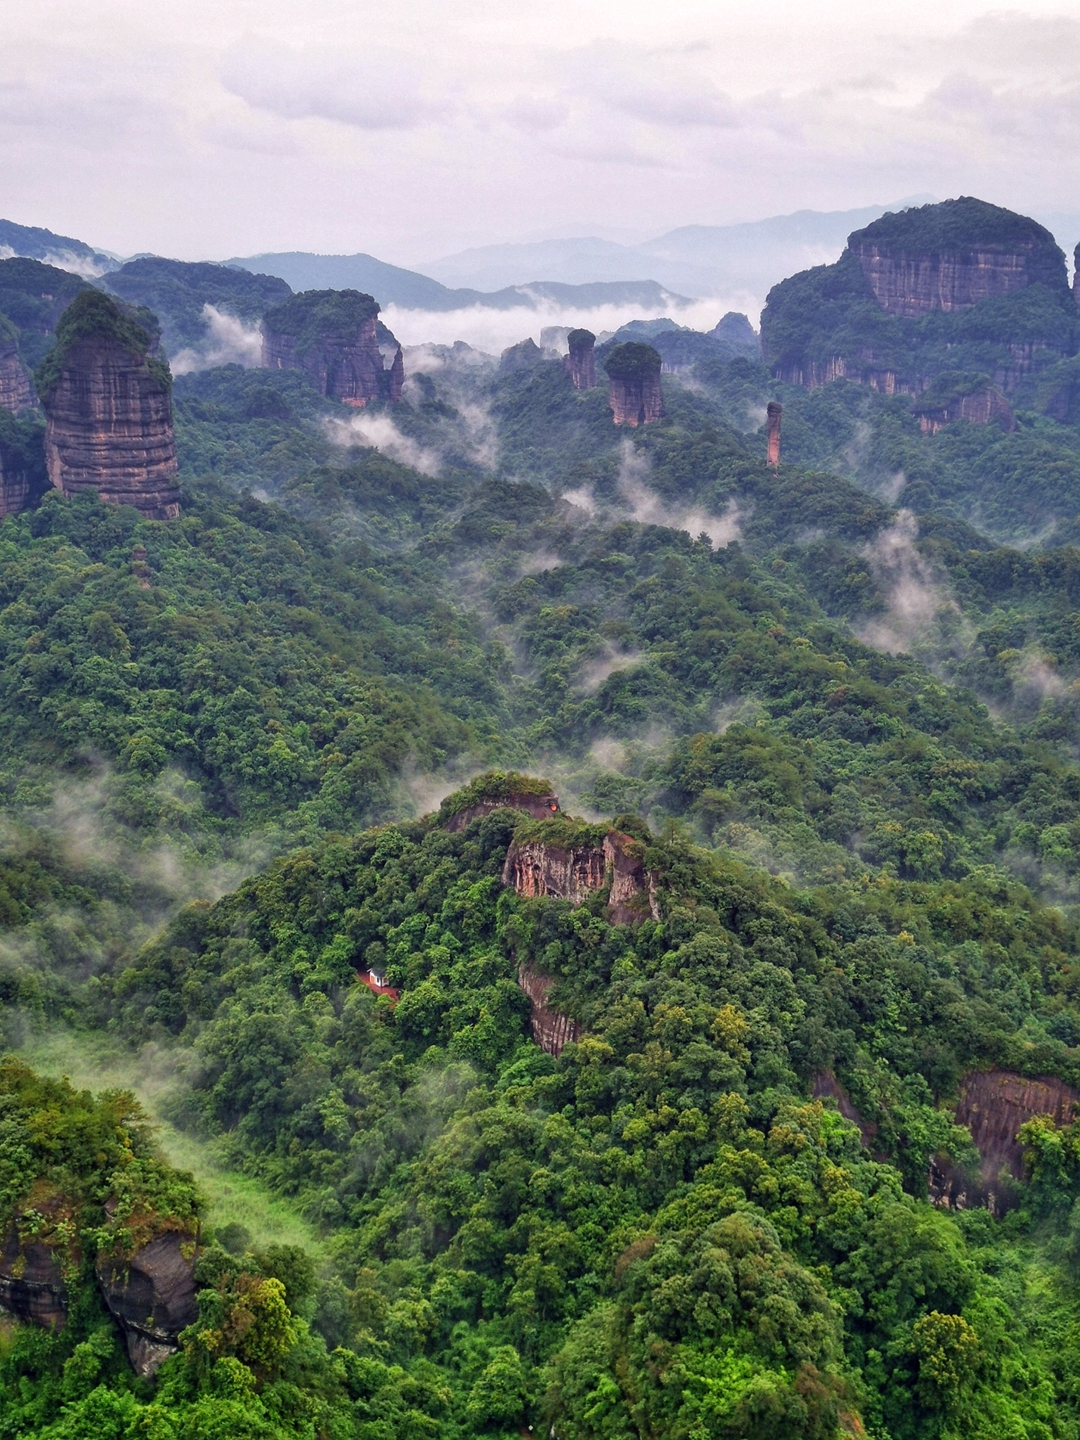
(537, 867)
(912, 285)
(981, 406)
(550, 1028)
(335, 336)
(773, 415)
(540, 807)
(994, 1104)
(109, 411)
(16, 392)
(635, 395)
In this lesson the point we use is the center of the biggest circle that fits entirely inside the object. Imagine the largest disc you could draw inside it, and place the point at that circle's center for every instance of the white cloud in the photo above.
(380, 432)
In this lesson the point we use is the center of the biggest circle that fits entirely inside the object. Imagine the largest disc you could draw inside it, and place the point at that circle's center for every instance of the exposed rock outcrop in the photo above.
(337, 338)
(981, 404)
(826, 1086)
(994, 1104)
(550, 1028)
(580, 361)
(108, 404)
(566, 867)
(953, 256)
(36, 1246)
(773, 414)
(498, 791)
(152, 1295)
(16, 392)
(895, 311)
(635, 394)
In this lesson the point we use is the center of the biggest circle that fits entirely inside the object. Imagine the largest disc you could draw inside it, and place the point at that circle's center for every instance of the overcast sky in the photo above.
(212, 128)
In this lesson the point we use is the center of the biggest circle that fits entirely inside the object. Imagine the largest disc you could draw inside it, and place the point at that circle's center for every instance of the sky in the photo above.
(212, 128)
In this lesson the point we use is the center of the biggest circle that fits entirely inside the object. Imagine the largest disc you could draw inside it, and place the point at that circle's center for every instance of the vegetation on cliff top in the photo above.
(92, 315)
(632, 360)
(965, 225)
(314, 316)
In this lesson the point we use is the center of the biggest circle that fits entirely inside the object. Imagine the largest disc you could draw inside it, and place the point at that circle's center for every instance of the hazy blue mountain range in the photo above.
(699, 260)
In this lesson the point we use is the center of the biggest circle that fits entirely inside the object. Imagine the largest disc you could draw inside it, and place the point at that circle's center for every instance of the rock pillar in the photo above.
(580, 363)
(774, 412)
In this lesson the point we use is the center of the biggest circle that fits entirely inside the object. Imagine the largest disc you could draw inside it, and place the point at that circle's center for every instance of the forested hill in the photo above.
(828, 714)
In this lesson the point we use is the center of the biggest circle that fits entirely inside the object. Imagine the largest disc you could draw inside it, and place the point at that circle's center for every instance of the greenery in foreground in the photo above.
(658, 1234)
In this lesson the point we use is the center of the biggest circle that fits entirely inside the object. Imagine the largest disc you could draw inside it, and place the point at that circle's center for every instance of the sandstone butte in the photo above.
(337, 338)
(108, 405)
(580, 361)
(942, 259)
(635, 394)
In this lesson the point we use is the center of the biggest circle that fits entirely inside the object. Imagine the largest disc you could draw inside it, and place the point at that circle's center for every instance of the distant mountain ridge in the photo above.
(700, 260)
(393, 285)
(66, 253)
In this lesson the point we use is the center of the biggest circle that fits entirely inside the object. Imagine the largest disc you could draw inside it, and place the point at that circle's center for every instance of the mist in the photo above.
(917, 601)
(648, 508)
(492, 331)
(380, 432)
(228, 341)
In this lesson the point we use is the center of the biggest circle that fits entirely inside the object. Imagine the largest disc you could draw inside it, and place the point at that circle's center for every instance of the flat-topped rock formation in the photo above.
(108, 403)
(959, 286)
(337, 338)
(580, 361)
(634, 372)
(953, 256)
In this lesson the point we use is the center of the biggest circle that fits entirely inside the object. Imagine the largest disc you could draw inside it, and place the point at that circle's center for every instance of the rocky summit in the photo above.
(337, 338)
(109, 410)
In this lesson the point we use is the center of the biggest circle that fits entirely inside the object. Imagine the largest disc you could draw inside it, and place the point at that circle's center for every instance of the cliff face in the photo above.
(635, 394)
(636, 402)
(982, 406)
(913, 285)
(152, 1295)
(16, 392)
(550, 1029)
(109, 411)
(993, 1105)
(540, 807)
(580, 361)
(958, 286)
(32, 1263)
(335, 336)
(537, 867)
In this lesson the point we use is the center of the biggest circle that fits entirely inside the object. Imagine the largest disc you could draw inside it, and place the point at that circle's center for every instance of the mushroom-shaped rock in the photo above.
(152, 1294)
(635, 395)
(108, 403)
(336, 337)
(580, 361)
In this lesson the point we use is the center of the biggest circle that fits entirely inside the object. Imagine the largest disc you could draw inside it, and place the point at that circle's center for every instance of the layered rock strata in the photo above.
(773, 414)
(539, 806)
(539, 867)
(335, 337)
(982, 406)
(994, 1104)
(16, 392)
(108, 405)
(32, 1285)
(580, 361)
(635, 395)
(152, 1295)
(551, 1029)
